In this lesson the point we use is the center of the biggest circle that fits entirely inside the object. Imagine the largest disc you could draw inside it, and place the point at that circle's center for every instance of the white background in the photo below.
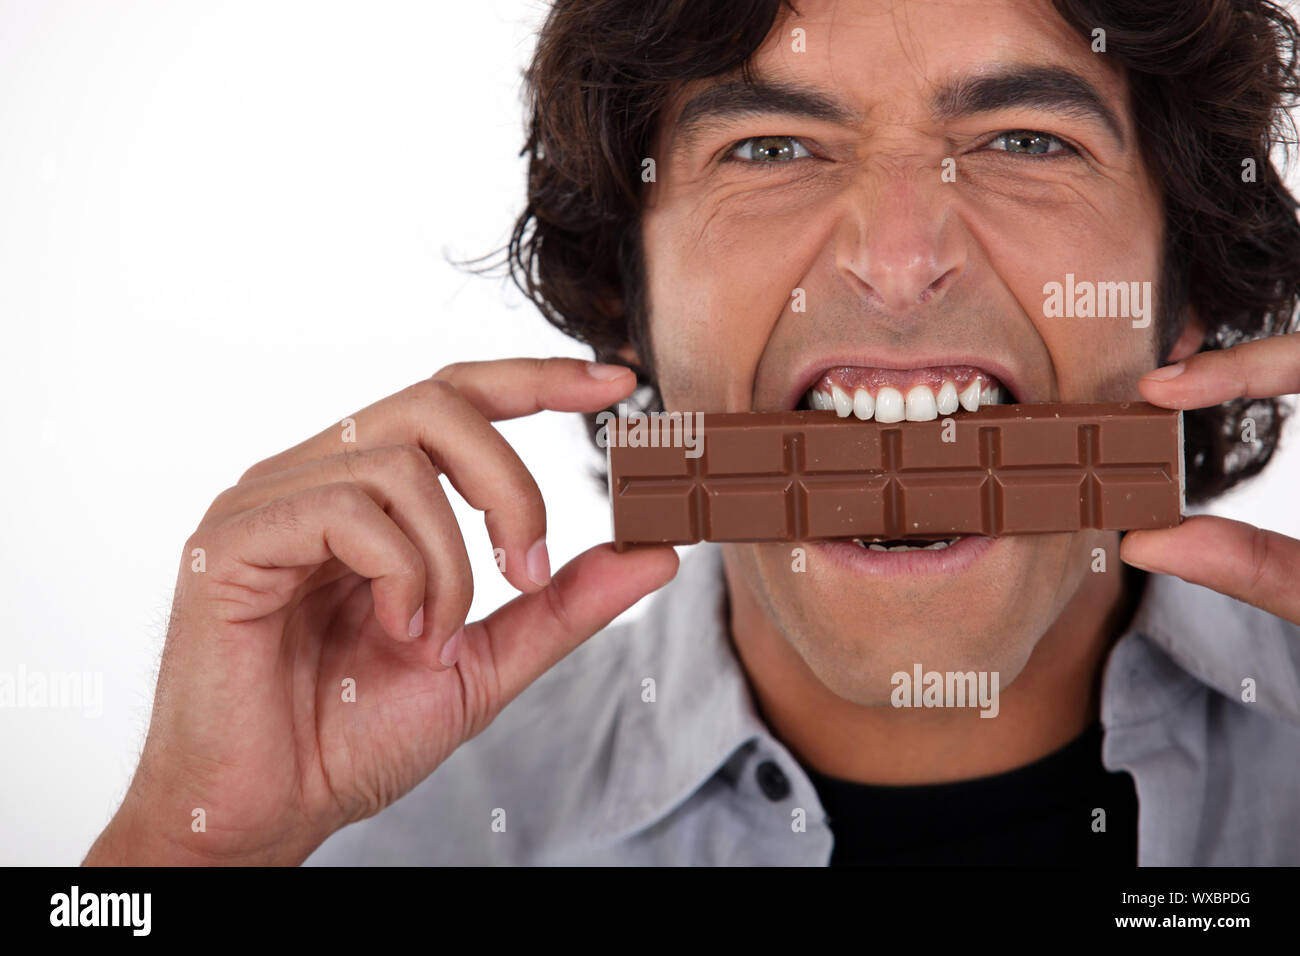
(223, 228)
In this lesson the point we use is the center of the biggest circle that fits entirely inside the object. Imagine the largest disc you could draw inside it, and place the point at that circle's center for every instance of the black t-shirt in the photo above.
(1040, 814)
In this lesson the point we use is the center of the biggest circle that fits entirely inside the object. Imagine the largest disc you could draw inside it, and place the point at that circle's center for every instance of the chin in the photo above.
(860, 666)
(855, 626)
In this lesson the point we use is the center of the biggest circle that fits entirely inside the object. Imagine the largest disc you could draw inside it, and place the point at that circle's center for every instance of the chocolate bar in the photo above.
(809, 475)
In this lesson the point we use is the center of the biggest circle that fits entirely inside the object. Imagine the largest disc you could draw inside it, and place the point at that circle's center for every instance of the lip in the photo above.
(951, 560)
(815, 368)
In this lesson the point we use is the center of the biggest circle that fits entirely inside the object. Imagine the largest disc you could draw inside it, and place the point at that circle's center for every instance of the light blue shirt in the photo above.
(579, 769)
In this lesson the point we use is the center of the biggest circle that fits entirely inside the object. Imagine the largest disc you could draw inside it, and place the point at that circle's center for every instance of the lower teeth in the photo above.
(935, 546)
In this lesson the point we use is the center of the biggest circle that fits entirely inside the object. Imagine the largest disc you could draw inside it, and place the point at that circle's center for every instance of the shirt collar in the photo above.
(1210, 637)
(703, 711)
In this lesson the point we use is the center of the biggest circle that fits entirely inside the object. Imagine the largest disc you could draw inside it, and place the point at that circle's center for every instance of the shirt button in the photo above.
(772, 781)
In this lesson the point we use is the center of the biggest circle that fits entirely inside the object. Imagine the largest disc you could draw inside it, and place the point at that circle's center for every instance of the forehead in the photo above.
(888, 61)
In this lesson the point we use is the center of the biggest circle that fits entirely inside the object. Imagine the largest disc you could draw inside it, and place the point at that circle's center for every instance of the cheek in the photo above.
(1101, 365)
(1094, 358)
(721, 274)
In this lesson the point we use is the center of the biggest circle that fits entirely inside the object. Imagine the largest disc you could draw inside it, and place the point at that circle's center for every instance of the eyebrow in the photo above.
(1050, 87)
(736, 98)
(1045, 87)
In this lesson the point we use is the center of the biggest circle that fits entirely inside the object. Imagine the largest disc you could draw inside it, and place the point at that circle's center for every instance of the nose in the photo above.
(900, 243)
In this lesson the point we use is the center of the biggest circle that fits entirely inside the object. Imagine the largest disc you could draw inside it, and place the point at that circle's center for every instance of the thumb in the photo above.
(1234, 558)
(523, 639)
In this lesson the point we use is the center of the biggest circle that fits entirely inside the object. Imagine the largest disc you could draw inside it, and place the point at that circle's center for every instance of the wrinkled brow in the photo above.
(735, 98)
(1053, 88)
(1047, 87)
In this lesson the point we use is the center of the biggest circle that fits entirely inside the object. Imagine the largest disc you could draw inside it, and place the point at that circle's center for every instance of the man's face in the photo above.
(961, 155)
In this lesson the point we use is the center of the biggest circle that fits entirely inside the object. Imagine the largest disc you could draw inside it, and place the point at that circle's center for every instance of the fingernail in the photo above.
(451, 650)
(416, 627)
(605, 372)
(538, 563)
(1140, 565)
(1166, 373)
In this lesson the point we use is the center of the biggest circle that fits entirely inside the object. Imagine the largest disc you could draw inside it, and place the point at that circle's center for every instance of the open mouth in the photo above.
(896, 395)
(911, 544)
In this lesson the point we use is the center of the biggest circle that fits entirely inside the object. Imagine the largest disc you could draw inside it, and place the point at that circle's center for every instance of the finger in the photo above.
(403, 482)
(525, 638)
(512, 388)
(505, 388)
(494, 478)
(1261, 369)
(324, 576)
(435, 416)
(419, 506)
(437, 421)
(248, 554)
(1234, 558)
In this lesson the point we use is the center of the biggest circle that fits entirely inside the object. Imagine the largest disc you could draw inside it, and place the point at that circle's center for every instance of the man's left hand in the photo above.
(1250, 564)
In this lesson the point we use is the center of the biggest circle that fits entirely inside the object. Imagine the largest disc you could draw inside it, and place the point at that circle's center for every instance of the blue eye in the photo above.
(769, 149)
(1029, 142)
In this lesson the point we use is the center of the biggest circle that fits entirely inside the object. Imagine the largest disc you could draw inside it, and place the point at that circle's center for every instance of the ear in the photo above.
(1191, 339)
(628, 354)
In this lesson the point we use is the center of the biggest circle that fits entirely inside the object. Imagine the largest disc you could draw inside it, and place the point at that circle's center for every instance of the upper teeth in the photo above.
(921, 404)
(946, 400)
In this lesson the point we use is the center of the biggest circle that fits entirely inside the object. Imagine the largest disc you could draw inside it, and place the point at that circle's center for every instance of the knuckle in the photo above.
(459, 593)
(433, 391)
(441, 390)
(1240, 371)
(522, 497)
(198, 541)
(448, 373)
(278, 515)
(544, 372)
(1259, 559)
(227, 497)
(255, 471)
(558, 610)
(223, 504)
(344, 498)
(204, 560)
(281, 514)
(406, 461)
(524, 487)
(410, 566)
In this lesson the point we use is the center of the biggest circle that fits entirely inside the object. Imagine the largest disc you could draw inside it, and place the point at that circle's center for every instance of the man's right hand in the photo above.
(316, 570)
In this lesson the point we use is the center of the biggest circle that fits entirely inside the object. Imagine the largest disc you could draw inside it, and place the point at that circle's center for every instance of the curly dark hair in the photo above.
(1211, 81)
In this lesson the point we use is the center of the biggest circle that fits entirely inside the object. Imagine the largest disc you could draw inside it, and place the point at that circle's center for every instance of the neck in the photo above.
(1051, 702)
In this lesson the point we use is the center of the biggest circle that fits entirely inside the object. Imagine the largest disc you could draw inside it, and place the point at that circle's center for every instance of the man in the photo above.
(750, 205)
